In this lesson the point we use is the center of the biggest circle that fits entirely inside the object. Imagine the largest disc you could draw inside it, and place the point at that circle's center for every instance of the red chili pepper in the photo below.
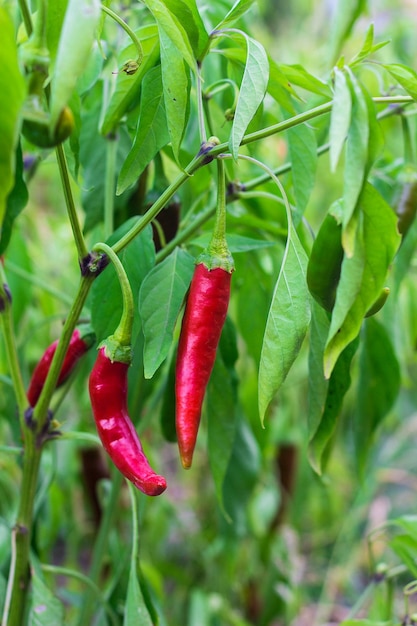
(108, 392)
(78, 346)
(204, 317)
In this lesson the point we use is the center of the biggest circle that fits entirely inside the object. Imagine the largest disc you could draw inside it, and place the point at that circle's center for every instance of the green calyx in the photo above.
(217, 253)
(116, 351)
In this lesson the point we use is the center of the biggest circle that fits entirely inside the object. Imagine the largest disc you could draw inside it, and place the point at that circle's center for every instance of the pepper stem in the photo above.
(118, 345)
(217, 254)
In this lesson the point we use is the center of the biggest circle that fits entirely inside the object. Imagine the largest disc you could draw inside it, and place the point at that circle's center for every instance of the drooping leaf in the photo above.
(76, 40)
(137, 258)
(173, 28)
(251, 93)
(128, 86)
(12, 93)
(45, 609)
(406, 76)
(151, 133)
(16, 202)
(287, 323)
(340, 116)
(298, 75)
(363, 275)
(239, 8)
(338, 385)
(221, 416)
(303, 156)
(379, 384)
(176, 84)
(160, 299)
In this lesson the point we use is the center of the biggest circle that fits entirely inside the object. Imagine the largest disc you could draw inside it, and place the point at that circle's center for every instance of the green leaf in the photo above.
(368, 47)
(280, 89)
(221, 415)
(74, 49)
(160, 299)
(317, 383)
(151, 133)
(55, 16)
(167, 414)
(176, 84)
(241, 475)
(287, 322)
(173, 28)
(379, 384)
(16, 202)
(12, 94)
(303, 155)
(128, 86)
(298, 75)
(93, 147)
(137, 258)
(239, 8)
(136, 611)
(236, 243)
(364, 274)
(252, 91)
(45, 609)
(338, 385)
(406, 76)
(346, 14)
(187, 12)
(340, 116)
(406, 548)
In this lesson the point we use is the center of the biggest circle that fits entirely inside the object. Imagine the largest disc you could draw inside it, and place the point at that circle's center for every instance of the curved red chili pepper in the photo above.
(203, 321)
(77, 347)
(108, 393)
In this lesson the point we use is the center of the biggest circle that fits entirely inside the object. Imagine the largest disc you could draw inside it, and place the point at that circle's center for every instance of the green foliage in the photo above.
(299, 507)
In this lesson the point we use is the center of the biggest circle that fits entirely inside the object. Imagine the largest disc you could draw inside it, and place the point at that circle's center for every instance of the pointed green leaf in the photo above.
(136, 611)
(176, 84)
(239, 8)
(45, 609)
(160, 300)
(298, 75)
(151, 133)
(340, 116)
(252, 92)
(12, 94)
(379, 384)
(221, 430)
(174, 30)
(75, 43)
(303, 155)
(128, 86)
(287, 322)
(406, 76)
(364, 274)
(280, 88)
(317, 383)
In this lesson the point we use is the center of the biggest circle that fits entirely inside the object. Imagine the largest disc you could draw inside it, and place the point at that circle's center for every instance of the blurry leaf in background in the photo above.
(46, 609)
(343, 20)
(12, 93)
(379, 385)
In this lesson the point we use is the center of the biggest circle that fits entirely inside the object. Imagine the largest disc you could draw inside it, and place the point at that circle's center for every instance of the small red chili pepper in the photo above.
(108, 392)
(78, 346)
(204, 317)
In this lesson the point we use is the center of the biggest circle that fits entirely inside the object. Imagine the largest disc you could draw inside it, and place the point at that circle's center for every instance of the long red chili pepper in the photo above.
(204, 317)
(78, 346)
(108, 392)
(202, 324)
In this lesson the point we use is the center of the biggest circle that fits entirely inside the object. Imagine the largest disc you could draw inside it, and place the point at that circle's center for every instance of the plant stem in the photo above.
(69, 200)
(41, 409)
(123, 333)
(99, 550)
(21, 536)
(26, 16)
(111, 153)
(127, 29)
(6, 323)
